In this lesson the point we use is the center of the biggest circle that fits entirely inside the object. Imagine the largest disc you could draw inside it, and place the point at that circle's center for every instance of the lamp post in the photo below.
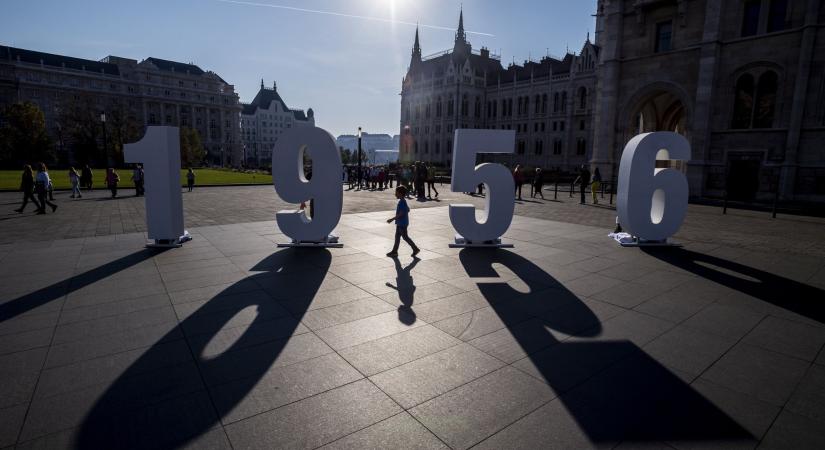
(359, 157)
(105, 142)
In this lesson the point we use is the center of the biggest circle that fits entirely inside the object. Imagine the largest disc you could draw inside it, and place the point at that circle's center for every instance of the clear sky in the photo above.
(343, 58)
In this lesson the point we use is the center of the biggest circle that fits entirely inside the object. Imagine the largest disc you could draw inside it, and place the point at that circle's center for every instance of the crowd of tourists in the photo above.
(41, 184)
(418, 178)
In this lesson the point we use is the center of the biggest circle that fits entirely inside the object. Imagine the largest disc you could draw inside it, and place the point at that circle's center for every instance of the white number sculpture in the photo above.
(499, 202)
(159, 152)
(652, 202)
(324, 187)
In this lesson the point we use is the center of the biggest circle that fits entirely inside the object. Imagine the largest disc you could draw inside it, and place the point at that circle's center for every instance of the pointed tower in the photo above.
(461, 45)
(262, 83)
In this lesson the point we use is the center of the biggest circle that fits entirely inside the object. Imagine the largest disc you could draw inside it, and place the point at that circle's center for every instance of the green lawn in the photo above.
(10, 179)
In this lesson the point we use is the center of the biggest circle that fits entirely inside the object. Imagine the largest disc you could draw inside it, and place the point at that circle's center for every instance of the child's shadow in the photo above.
(406, 290)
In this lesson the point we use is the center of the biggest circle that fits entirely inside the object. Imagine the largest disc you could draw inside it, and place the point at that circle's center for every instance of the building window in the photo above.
(556, 102)
(555, 126)
(776, 15)
(561, 126)
(510, 107)
(543, 103)
(539, 147)
(664, 34)
(543, 126)
(750, 17)
(415, 147)
(538, 104)
(755, 104)
(464, 106)
(417, 111)
(427, 110)
(449, 147)
(520, 147)
(477, 110)
(426, 147)
(581, 146)
(536, 127)
(581, 125)
(438, 107)
(743, 102)
(437, 147)
(450, 108)
(557, 147)
(582, 97)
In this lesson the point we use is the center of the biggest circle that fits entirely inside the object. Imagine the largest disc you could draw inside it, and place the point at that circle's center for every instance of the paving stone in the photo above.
(549, 427)
(398, 432)
(316, 420)
(326, 299)
(343, 313)
(794, 431)
(514, 343)
(26, 340)
(465, 416)
(809, 397)
(725, 321)
(480, 322)
(627, 294)
(113, 308)
(433, 375)
(688, 349)
(279, 386)
(90, 329)
(788, 337)
(209, 345)
(420, 295)
(675, 305)
(450, 306)
(12, 422)
(764, 374)
(382, 354)
(29, 322)
(370, 328)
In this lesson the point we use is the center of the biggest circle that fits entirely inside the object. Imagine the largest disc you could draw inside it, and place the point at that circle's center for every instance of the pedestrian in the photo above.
(596, 185)
(27, 187)
(86, 177)
(421, 180)
(431, 180)
(137, 178)
(538, 183)
(190, 179)
(74, 180)
(518, 179)
(402, 221)
(41, 185)
(112, 179)
(583, 179)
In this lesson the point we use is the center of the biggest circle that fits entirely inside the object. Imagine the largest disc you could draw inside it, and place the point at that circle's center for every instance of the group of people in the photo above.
(583, 179)
(41, 184)
(536, 183)
(418, 178)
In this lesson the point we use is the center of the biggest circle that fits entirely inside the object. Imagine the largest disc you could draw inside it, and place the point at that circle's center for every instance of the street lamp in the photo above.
(105, 142)
(359, 157)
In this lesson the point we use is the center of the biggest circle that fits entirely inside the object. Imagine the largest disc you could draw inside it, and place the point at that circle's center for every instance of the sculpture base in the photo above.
(627, 240)
(330, 242)
(170, 243)
(460, 242)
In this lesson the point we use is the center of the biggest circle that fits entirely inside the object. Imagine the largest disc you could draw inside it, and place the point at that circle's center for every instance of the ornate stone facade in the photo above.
(744, 81)
(548, 103)
(151, 92)
(264, 120)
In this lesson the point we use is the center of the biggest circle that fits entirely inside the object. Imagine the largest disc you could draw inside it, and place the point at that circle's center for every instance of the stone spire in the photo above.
(274, 85)
(460, 35)
(415, 59)
(262, 83)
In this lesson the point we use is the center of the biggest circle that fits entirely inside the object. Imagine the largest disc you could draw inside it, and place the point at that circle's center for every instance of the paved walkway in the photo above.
(566, 341)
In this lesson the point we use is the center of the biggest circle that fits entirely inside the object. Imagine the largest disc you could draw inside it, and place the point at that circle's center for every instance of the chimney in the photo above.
(485, 52)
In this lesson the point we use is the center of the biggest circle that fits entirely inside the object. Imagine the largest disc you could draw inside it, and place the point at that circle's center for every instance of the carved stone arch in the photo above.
(662, 106)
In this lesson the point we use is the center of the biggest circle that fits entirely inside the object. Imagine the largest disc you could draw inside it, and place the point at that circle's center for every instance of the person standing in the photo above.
(596, 185)
(27, 187)
(584, 180)
(538, 183)
(86, 177)
(41, 185)
(190, 179)
(402, 221)
(74, 180)
(518, 178)
(137, 178)
(431, 180)
(112, 179)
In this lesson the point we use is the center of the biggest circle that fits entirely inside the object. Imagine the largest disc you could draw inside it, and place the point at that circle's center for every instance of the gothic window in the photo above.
(556, 102)
(417, 111)
(449, 147)
(581, 125)
(450, 107)
(543, 126)
(495, 109)
(563, 101)
(477, 108)
(743, 102)
(582, 97)
(538, 105)
(426, 147)
(427, 109)
(561, 126)
(437, 147)
(581, 146)
(765, 104)
(543, 103)
(489, 109)
(664, 35)
(536, 127)
(750, 17)
(520, 104)
(510, 107)
(776, 15)
(438, 107)
(557, 147)
(526, 105)
(520, 147)
(539, 147)
(464, 105)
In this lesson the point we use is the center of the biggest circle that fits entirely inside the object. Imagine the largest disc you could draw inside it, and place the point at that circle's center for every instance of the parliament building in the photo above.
(743, 81)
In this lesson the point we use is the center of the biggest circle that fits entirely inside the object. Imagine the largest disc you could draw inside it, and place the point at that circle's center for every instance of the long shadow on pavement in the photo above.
(40, 297)
(151, 408)
(612, 388)
(792, 295)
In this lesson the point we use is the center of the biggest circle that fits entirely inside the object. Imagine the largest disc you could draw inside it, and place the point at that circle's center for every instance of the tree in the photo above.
(192, 152)
(23, 136)
(81, 120)
(346, 155)
(123, 128)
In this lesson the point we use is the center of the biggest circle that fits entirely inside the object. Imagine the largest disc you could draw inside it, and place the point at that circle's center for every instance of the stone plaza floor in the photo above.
(565, 341)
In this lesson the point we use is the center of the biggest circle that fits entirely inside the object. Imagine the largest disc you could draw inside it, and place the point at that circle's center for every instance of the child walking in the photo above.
(402, 221)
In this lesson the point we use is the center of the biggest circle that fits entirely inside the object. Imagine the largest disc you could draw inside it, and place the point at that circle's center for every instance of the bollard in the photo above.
(725, 204)
(572, 185)
(775, 201)
(612, 188)
(556, 191)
